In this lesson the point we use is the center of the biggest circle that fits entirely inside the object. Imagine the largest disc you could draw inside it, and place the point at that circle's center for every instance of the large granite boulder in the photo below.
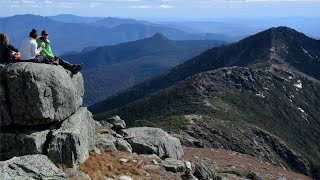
(70, 144)
(37, 94)
(30, 167)
(20, 144)
(146, 140)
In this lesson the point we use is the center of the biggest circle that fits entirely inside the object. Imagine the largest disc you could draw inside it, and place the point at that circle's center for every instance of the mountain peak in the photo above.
(285, 34)
(286, 31)
(159, 36)
(282, 29)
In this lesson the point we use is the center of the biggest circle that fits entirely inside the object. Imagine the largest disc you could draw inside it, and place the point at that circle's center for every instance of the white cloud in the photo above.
(166, 6)
(47, 2)
(140, 7)
(96, 4)
(14, 6)
(67, 5)
(28, 1)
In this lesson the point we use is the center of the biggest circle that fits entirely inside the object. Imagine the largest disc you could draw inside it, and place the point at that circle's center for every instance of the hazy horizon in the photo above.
(165, 9)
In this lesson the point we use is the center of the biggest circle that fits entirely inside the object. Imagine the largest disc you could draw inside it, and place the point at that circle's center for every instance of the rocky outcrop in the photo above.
(244, 139)
(296, 161)
(117, 122)
(173, 165)
(40, 114)
(36, 94)
(108, 139)
(19, 144)
(30, 167)
(71, 143)
(202, 171)
(145, 140)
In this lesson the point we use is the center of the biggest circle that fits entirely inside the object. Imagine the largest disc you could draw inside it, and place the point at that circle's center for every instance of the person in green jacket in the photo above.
(47, 52)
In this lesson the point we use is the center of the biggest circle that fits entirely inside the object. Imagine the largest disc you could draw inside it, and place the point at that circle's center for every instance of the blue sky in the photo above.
(177, 9)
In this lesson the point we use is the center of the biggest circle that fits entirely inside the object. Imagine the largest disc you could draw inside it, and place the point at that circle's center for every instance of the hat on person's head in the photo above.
(44, 32)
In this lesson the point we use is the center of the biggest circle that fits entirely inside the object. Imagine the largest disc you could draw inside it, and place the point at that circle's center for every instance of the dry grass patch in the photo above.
(107, 164)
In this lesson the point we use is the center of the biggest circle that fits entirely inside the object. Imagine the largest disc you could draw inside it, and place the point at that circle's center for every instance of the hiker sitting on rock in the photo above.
(47, 52)
(8, 53)
(29, 50)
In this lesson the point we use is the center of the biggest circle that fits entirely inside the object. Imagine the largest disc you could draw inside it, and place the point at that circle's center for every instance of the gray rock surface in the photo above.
(22, 144)
(146, 140)
(71, 143)
(35, 93)
(173, 165)
(123, 145)
(117, 122)
(202, 171)
(106, 141)
(30, 167)
(152, 167)
(76, 174)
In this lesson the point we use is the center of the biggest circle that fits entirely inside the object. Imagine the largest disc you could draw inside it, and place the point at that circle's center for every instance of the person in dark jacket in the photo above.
(8, 53)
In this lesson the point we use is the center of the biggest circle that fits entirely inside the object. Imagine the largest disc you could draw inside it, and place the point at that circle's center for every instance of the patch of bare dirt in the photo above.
(231, 165)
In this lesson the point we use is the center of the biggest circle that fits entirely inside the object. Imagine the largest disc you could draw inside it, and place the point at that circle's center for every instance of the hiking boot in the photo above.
(76, 68)
(55, 62)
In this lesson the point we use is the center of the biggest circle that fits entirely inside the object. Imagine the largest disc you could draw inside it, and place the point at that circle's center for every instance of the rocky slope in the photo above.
(268, 109)
(41, 113)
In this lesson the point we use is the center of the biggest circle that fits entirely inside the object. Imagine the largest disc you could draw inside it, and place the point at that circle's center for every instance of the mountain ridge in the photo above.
(109, 69)
(253, 49)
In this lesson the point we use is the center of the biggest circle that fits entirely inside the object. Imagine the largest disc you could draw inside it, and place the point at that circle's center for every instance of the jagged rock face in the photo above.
(291, 157)
(245, 139)
(37, 94)
(202, 171)
(146, 140)
(19, 144)
(30, 167)
(71, 143)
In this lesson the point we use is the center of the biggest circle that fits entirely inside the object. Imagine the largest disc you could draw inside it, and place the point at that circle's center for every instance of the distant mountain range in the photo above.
(109, 69)
(73, 33)
(263, 87)
(243, 27)
(109, 22)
